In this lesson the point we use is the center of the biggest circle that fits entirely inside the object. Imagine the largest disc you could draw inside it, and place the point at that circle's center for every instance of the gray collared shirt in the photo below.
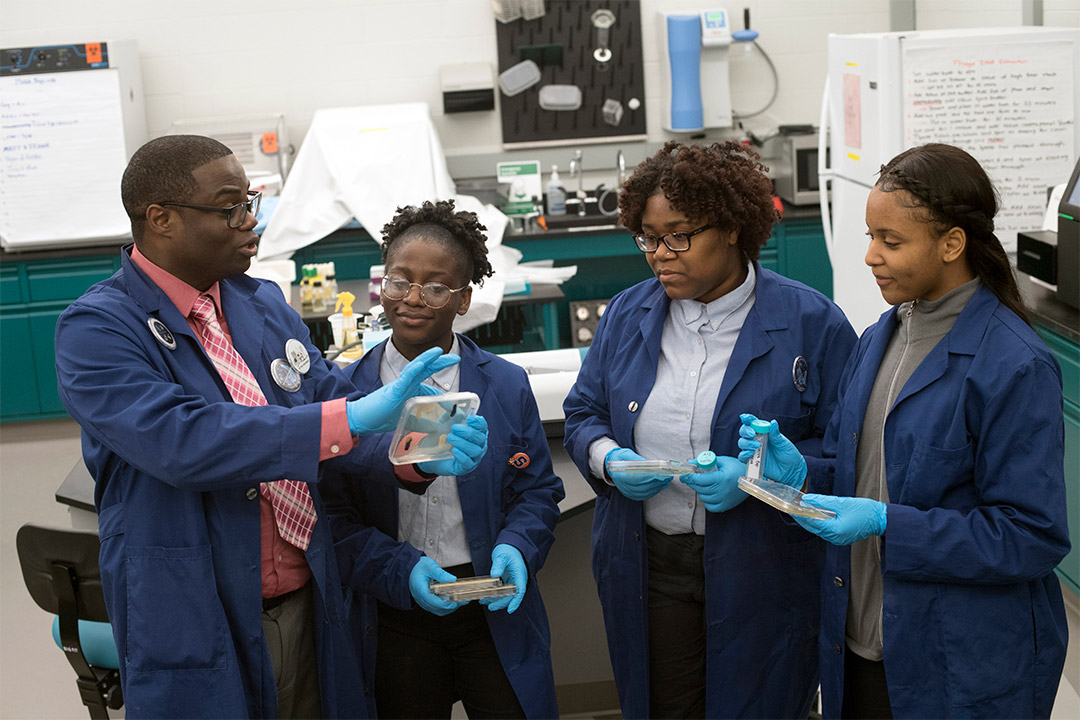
(432, 523)
(676, 421)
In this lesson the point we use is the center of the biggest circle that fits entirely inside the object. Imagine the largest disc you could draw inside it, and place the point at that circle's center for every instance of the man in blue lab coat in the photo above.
(220, 580)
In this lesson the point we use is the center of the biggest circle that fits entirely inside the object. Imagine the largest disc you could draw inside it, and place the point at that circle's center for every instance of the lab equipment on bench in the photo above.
(1052, 256)
(474, 588)
(886, 92)
(346, 334)
(782, 497)
(695, 85)
(424, 424)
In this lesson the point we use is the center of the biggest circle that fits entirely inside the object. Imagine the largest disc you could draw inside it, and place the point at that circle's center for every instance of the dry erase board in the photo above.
(70, 117)
(1012, 105)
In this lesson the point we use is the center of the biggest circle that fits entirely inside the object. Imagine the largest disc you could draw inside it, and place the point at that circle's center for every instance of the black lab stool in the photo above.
(61, 571)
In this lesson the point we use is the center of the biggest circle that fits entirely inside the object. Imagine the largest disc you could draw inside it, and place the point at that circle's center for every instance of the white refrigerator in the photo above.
(1006, 95)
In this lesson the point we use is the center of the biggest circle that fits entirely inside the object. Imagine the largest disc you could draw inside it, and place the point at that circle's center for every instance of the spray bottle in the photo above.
(349, 334)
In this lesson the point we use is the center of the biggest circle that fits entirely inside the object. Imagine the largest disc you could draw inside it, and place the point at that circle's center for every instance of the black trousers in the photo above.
(676, 625)
(866, 695)
(425, 663)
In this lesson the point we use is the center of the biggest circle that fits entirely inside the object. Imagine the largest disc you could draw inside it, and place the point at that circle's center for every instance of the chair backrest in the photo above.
(40, 549)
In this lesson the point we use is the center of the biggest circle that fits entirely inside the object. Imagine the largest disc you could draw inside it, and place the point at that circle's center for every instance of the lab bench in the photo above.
(36, 286)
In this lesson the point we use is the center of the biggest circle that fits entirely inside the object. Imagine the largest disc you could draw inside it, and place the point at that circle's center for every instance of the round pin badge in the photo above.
(297, 355)
(518, 460)
(800, 371)
(162, 333)
(285, 375)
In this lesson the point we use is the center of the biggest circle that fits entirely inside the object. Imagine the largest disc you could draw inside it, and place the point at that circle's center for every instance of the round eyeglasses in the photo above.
(235, 215)
(675, 242)
(434, 295)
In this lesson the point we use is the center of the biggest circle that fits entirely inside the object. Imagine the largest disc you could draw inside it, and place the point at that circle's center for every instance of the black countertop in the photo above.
(1047, 310)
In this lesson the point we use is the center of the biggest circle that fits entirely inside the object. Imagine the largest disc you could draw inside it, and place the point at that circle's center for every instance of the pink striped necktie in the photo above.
(293, 509)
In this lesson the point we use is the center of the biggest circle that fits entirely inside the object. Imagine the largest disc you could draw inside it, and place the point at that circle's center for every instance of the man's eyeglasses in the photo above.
(235, 215)
(676, 242)
(434, 295)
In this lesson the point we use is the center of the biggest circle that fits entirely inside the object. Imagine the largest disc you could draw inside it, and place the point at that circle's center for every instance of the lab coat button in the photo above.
(838, 581)
(837, 649)
(369, 630)
(637, 535)
(633, 406)
(252, 493)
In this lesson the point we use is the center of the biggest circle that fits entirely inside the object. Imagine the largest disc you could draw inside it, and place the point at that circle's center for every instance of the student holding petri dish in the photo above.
(711, 603)
(492, 517)
(944, 467)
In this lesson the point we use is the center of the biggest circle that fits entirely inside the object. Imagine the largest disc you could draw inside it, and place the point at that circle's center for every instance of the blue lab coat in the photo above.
(177, 465)
(973, 619)
(500, 504)
(762, 572)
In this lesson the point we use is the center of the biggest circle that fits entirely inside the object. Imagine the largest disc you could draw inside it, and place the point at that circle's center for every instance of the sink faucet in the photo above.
(620, 163)
(575, 169)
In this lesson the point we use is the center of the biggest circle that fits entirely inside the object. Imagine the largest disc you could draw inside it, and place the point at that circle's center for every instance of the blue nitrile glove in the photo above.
(718, 488)
(469, 441)
(378, 411)
(783, 461)
(428, 570)
(634, 486)
(856, 518)
(507, 563)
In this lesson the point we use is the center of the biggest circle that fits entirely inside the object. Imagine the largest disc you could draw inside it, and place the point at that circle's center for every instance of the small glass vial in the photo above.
(761, 434)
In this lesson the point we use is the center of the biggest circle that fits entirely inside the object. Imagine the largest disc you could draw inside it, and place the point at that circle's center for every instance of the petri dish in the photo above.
(424, 423)
(782, 497)
(652, 468)
(474, 588)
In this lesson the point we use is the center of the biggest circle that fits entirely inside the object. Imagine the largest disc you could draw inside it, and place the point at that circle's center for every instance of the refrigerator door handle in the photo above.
(825, 173)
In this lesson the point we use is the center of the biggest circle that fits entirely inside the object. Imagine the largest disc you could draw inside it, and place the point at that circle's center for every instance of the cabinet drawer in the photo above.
(10, 288)
(66, 280)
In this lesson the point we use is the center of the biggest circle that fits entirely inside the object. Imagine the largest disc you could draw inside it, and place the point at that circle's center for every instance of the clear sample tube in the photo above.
(761, 434)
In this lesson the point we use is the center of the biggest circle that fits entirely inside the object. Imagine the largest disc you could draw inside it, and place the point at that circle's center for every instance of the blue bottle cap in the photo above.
(706, 460)
(761, 426)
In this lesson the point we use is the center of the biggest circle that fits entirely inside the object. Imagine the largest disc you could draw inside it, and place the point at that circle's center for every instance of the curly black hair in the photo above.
(724, 184)
(460, 232)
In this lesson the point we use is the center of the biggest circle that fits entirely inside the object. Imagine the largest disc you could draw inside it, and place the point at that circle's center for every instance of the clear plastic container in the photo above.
(782, 497)
(652, 468)
(421, 431)
(474, 588)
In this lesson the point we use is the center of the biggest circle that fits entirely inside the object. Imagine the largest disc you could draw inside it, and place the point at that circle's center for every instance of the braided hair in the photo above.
(954, 190)
(724, 183)
(459, 232)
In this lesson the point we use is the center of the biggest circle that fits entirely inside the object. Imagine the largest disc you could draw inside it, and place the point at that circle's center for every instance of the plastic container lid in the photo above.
(782, 497)
(519, 78)
(560, 97)
(761, 426)
(421, 431)
(706, 460)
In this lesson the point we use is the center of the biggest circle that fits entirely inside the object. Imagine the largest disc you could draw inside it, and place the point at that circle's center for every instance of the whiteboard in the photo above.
(62, 154)
(1011, 105)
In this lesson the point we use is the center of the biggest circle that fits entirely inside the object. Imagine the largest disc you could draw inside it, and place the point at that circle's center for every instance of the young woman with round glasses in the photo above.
(711, 603)
(497, 519)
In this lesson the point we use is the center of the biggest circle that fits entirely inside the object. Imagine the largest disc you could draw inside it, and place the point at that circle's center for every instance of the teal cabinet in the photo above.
(1068, 356)
(33, 293)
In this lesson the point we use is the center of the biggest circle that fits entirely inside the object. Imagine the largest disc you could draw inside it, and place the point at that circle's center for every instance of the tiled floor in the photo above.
(35, 679)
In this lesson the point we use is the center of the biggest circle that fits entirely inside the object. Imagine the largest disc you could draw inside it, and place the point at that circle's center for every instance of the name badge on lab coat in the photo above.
(162, 333)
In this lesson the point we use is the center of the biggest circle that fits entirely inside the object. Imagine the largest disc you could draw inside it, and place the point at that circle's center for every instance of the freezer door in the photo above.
(865, 93)
(854, 289)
